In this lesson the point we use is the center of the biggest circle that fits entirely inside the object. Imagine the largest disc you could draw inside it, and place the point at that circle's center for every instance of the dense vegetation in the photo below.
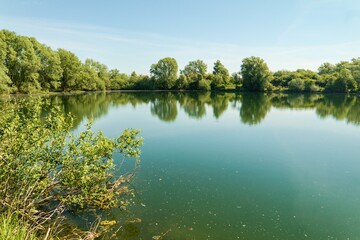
(27, 66)
(46, 171)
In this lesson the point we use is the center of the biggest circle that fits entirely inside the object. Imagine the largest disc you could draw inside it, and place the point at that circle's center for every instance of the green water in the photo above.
(237, 166)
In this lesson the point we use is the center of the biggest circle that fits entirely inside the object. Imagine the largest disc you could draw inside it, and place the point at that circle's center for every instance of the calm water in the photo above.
(237, 166)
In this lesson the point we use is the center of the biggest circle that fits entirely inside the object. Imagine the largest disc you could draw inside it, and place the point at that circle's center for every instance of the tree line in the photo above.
(28, 66)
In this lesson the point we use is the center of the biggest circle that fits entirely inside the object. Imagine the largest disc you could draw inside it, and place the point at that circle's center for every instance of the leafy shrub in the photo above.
(204, 85)
(297, 85)
(45, 169)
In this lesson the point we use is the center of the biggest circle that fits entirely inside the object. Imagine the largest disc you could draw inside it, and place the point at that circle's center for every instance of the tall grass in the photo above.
(11, 228)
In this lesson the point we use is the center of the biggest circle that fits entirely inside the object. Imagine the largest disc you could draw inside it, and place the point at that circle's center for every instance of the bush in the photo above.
(45, 169)
(310, 86)
(297, 85)
(204, 85)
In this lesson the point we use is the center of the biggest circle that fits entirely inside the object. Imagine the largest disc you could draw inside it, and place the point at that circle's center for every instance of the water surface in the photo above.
(237, 166)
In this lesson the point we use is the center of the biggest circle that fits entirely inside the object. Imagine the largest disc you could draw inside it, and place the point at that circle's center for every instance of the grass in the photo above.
(11, 228)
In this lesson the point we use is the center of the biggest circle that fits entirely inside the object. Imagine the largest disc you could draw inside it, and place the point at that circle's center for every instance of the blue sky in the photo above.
(133, 34)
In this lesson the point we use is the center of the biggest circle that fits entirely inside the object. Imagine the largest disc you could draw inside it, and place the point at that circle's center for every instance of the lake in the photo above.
(236, 166)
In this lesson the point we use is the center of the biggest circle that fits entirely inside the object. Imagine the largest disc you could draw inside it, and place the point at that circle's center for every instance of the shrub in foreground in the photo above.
(46, 170)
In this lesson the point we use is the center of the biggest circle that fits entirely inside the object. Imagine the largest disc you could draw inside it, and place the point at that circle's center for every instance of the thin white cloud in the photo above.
(130, 50)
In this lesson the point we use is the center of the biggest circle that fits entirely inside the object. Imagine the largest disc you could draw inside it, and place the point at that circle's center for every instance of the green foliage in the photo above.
(45, 169)
(326, 68)
(140, 82)
(118, 80)
(89, 79)
(50, 70)
(102, 73)
(12, 228)
(285, 79)
(71, 67)
(236, 79)
(221, 75)
(204, 85)
(255, 74)
(282, 78)
(164, 73)
(21, 62)
(343, 77)
(303, 85)
(355, 70)
(195, 72)
(182, 82)
(342, 82)
(5, 82)
(28, 66)
(193, 69)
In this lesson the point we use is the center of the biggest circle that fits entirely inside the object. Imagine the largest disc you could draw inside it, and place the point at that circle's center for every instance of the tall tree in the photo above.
(255, 74)
(21, 62)
(3, 47)
(221, 74)
(195, 68)
(355, 69)
(164, 72)
(71, 67)
(50, 71)
(5, 81)
(342, 82)
(117, 80)
(101, 71)
(88, 79)
(326, 68)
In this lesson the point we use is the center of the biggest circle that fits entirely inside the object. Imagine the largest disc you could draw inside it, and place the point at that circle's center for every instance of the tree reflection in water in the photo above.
(252, 107)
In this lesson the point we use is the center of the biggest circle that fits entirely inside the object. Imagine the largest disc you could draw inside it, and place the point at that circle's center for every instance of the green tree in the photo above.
(118, 80)
(21, 62)
(195, 68)
(236, 79)
(221, 75)
(71, 66)
(3, 47)
(282, 78)
(297, 85)
(101, 71)
(164, 72)
(342, 82)
(181, 82)
(50, 71)
(133, 78)
(355, 69)
(204, 85)
(88, 79)
(255, 74)
(326, 68)
(195, 71)
(5, 82)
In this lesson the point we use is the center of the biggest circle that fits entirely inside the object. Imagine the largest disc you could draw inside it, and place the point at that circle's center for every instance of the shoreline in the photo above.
(173, 91)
